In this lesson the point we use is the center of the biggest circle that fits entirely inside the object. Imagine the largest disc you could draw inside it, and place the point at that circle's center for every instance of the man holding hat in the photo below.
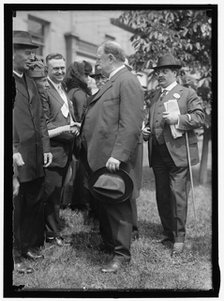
(168, 150)
(111, 134)
(31, 153)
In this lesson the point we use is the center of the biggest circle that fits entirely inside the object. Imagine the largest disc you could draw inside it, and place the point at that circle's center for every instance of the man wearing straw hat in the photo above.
(31, 153)
(174, 112)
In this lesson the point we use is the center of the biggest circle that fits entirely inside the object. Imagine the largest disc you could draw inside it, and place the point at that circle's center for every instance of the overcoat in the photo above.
(30, 136)
(189, 103)
(113, 121)
(79, 99)
(60, 145)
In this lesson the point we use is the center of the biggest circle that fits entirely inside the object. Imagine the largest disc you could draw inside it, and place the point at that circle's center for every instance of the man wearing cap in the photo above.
(31, 153)
(165, 133)
(59, 114)
(111, 132)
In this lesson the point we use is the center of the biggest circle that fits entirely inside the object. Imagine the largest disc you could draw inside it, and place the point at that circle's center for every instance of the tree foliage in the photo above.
(184, 33)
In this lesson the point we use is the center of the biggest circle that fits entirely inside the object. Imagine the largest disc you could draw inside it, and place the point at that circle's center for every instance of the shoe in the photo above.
(114, 265)
(165, 240)
(22, 268)
(59, 241)
(178, 248)
(135, 235)
(33, 255)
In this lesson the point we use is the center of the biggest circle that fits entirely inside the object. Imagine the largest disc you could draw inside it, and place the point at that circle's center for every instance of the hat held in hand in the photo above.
(111, 187)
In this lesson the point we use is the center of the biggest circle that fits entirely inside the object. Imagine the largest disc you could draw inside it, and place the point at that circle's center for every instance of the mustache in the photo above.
(161, 78)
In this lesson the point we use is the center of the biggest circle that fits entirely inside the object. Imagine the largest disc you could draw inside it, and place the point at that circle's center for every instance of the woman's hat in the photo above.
(23, 38)
(111, 187)
(167, 61)
(37, 69)
(98, 71)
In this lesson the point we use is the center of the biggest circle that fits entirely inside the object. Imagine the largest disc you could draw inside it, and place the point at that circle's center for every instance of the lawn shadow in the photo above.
(86, 245)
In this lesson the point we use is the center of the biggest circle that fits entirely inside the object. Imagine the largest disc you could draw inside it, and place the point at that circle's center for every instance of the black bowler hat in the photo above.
(111, 187)
(23, 38)
(166, 61)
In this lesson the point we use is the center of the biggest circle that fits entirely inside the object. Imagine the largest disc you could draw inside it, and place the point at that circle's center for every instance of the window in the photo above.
(37, 28)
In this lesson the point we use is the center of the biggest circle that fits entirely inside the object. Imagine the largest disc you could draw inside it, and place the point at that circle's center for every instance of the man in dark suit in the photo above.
(31, 153)
(62, 130)
(111, 134)
(167, 153)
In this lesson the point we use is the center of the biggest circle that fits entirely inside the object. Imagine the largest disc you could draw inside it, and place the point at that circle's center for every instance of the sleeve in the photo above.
(44, 132)
(130, 119)
(194, 117)
(65, 136)
(79, 102)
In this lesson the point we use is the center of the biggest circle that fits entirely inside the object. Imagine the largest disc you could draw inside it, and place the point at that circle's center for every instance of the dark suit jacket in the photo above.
(189, 103)
(30, 136)
(113, 121)
(61, 145)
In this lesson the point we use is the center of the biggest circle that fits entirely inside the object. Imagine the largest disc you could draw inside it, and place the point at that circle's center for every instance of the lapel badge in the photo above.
(176, 95)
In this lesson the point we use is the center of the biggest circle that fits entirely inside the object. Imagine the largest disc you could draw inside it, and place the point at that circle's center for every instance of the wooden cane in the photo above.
(191, 179)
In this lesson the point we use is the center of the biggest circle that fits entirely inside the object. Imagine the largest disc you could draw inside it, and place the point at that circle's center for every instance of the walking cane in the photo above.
(191, 179)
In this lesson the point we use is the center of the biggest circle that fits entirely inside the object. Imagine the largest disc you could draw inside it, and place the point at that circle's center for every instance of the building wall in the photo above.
(86, 26)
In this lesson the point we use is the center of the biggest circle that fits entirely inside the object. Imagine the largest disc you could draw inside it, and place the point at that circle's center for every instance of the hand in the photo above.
(18, 159)
(170, 118)
(47, 159)
(15, 185)
(75, 128)
(113, 164)
(146, 133)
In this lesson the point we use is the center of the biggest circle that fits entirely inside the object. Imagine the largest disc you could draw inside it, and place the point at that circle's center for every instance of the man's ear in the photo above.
(111, 58)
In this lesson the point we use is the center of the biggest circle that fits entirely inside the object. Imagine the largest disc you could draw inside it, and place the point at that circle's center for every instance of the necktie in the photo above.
(163, 94)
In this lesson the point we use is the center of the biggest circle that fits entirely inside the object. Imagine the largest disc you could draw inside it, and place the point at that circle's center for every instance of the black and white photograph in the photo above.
(110, 142)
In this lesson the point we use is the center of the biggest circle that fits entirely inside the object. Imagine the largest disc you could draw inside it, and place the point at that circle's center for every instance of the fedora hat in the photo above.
(23, 38)
(111, 187)
(167, 60)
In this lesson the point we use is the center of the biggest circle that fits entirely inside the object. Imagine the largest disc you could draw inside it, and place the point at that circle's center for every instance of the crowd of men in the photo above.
(107, 140)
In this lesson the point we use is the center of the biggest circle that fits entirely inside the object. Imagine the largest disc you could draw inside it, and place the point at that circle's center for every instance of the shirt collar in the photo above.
(115, 71)
(18, 74)
(170, 87)
(57, 86)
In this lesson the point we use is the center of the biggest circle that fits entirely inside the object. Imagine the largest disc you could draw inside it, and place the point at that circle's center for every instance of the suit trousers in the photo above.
(116, 223)
(172, 189)
(28, 217)
(53, 187)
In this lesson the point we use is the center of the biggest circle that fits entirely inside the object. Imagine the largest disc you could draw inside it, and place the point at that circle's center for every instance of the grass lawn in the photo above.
(151, 267)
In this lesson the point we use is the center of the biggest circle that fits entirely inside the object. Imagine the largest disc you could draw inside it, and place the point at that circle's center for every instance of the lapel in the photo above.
(54, 94)
(30, 86)
(21, 87)
(177, 89)
(107, 85)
